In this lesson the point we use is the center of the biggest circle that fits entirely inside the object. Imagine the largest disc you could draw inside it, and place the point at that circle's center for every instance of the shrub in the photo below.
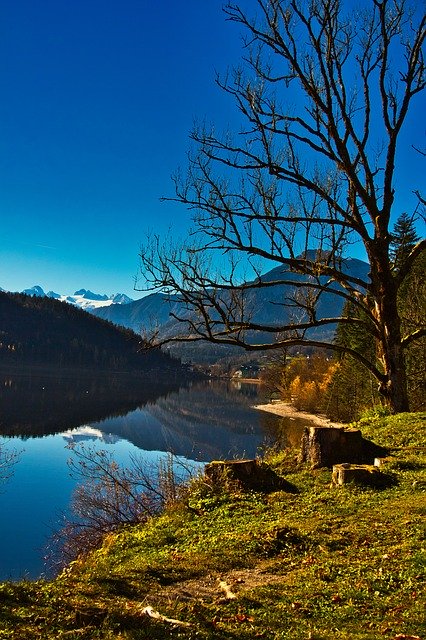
(110, 496)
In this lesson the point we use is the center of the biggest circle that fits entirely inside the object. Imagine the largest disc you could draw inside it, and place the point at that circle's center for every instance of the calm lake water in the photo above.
(40, 416)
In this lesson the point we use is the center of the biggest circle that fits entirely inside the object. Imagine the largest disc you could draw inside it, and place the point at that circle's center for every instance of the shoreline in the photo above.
(286, 410)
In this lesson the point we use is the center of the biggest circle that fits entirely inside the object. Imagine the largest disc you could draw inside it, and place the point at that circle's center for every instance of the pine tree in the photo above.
(412, 306)
(352, 389)
(403, 239)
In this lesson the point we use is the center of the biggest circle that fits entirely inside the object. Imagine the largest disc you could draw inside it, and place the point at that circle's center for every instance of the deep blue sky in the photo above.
(98, 99)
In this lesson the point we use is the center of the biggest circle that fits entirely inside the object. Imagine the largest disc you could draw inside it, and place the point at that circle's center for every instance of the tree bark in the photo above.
(327, 446)
(359, 474)
(391, 353)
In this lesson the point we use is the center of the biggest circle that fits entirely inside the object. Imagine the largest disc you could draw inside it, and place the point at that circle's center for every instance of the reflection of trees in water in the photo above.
(46, 404)
(8, 459)
(282, 431)
(215, 404)
(210, 420)
(200, 423)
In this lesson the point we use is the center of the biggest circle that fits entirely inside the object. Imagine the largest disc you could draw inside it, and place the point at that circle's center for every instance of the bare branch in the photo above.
(323, 95)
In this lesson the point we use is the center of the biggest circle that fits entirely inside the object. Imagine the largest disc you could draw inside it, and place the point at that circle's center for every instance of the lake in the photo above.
(42, 415)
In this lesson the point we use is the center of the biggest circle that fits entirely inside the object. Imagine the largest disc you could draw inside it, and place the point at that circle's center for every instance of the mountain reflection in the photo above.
(201, 422)
(48, 403)
(86, 433)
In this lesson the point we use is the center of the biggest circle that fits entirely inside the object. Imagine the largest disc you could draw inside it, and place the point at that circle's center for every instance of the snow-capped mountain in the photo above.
(36, 290)
(89, 295)
(83, 298)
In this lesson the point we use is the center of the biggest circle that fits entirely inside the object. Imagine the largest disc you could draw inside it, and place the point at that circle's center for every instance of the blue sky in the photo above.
(98, 99)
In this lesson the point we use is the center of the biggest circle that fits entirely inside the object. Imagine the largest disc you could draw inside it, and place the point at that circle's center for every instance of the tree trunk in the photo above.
(359, 474)
(394, 390)
(327, 446)
(394, 387)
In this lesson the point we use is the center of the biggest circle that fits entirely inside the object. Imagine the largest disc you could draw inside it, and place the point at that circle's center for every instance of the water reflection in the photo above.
(41, 415)
(200, 422)
(50, 402)
(283, 431)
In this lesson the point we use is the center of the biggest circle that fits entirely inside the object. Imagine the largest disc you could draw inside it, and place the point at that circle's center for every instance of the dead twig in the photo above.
(229, 594)
(152, 613)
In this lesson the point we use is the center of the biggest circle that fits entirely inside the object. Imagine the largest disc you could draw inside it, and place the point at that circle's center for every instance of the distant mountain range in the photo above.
(83, 298)
(41, 331)
(265, 305)
(154, 312)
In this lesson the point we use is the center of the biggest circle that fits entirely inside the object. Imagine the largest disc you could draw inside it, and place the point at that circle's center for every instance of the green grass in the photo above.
(323, 563)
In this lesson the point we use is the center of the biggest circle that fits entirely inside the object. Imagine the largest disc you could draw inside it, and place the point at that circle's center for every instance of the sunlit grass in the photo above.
(323, 563)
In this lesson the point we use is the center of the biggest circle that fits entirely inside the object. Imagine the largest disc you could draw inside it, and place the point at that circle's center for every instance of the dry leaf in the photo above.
(242, 617)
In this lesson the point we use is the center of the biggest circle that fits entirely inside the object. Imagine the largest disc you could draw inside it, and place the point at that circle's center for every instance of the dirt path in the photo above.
(208, 587)
(285, 409)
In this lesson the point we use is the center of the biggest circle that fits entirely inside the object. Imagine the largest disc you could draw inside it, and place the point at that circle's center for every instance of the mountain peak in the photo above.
(120, 298)
(36, 290)
(89, 295)
(84, 298)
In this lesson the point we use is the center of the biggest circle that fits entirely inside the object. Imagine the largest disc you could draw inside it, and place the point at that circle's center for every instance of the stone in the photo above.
(383, 462)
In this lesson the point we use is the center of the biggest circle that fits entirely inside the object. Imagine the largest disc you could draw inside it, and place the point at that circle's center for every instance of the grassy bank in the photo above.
(322, 563)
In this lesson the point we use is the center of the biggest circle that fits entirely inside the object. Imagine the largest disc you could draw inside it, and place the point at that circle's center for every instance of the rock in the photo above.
(326, 446)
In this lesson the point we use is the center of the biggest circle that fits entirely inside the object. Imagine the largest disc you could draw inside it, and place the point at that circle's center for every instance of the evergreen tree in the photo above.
(403, 239)
(412, 307)
(352, 388)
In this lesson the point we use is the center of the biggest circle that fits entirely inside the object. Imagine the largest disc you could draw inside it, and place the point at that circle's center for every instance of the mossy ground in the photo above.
(323, 563)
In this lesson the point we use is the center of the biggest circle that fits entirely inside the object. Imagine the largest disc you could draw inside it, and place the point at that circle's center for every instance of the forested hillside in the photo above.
(269, 306)
(44, 331)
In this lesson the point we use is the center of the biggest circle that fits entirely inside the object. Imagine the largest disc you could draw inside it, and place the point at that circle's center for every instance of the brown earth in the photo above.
(285, 409)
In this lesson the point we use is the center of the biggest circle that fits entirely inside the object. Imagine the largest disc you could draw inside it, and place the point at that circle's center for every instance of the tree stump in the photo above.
(326, 446)
(250, 475)
(360, 474)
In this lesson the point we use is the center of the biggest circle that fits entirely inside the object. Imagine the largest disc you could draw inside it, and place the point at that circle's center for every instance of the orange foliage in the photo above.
(308, 381)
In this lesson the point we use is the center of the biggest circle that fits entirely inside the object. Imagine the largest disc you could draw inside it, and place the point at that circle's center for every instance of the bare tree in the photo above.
(324, 94)
(8, 459)
(110, 496)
